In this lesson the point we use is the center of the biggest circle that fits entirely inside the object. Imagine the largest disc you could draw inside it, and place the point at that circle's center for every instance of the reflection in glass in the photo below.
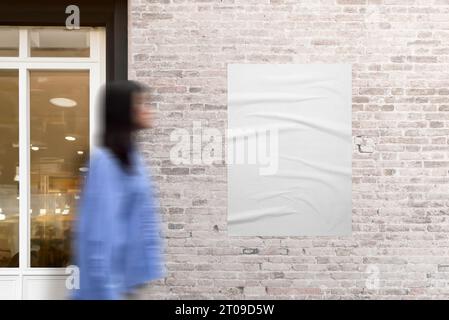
(9, 162)
(9, 42)
(53, 42)
(59, 108)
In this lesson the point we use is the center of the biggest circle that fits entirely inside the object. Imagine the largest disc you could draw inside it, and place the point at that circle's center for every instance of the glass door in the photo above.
(48, 80)
(59, 142)
(9, 168)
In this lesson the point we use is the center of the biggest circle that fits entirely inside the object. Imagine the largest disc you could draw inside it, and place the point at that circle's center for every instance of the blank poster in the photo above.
(289, 149)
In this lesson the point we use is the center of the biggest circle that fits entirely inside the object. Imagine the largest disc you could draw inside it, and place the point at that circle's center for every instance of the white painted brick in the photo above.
(400, 58)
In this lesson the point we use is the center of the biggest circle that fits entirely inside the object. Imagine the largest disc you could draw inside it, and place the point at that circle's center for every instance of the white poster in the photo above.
(289, 149)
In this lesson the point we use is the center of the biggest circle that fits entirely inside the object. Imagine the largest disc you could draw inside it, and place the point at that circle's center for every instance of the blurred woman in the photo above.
(117, 237)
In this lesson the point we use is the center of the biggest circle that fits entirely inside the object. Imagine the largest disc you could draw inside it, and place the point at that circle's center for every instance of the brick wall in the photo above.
(399, 50)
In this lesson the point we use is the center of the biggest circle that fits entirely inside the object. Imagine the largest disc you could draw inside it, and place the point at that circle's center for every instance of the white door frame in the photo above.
(96, 65)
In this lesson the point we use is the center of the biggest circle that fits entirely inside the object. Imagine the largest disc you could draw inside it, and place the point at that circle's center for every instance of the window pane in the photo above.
(59, 137)
(9, 162)
(9, 42)
(54, 42)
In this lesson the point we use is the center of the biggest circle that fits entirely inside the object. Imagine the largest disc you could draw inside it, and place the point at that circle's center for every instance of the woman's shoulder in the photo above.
(100, 153)
(105, 158)
(102, 156)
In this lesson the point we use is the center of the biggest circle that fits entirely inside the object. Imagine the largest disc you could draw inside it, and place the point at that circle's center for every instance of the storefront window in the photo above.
(59, 42)
(59, 137)
(9, 42)
(9, 166)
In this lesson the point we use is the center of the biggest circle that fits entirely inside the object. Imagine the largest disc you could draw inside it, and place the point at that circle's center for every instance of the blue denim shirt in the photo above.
(117, 235)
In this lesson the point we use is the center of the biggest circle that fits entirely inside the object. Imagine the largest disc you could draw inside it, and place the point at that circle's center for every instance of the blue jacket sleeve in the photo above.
(100, 199)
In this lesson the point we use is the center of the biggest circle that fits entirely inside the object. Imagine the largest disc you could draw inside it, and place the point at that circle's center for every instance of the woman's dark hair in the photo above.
(118, 119)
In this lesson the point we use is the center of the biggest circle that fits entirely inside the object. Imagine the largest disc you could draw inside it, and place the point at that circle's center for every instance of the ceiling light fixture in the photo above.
(63, 102)
(70, 138)
(34, 148)
(80, 152)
